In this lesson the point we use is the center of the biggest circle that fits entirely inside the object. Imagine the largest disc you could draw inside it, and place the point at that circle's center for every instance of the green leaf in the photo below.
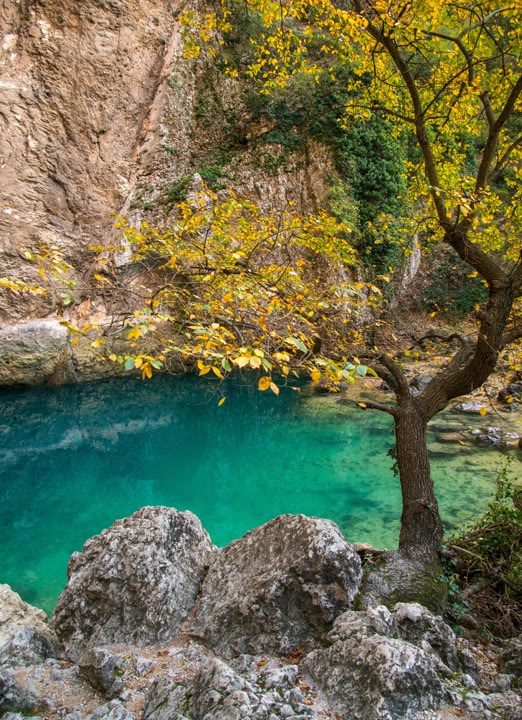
(226, 365)
(129, 364)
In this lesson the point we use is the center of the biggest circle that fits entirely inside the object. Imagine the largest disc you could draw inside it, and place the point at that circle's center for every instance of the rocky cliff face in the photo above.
(100, 114)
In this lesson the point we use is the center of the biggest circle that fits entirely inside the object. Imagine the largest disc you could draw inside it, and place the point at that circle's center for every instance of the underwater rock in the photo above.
(278, 588)
(135, 582)
(471, 408)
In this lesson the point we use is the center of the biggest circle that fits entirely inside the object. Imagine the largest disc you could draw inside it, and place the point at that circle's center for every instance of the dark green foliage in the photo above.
(212, 176)
(175, 194)
(451, 290)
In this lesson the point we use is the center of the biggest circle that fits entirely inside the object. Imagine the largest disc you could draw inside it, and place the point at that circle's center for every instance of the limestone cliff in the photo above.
(100, 114)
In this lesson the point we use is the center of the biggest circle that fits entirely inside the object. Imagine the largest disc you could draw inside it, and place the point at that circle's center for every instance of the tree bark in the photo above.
(421, 526)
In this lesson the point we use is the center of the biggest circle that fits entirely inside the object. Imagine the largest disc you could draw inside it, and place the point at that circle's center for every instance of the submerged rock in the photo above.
(135, 582)
(278, 588)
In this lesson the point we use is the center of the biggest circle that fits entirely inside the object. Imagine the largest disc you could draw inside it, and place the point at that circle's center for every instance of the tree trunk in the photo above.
(421, 526)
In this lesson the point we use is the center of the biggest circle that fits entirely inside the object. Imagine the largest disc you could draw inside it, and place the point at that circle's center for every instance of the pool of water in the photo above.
(74, 459)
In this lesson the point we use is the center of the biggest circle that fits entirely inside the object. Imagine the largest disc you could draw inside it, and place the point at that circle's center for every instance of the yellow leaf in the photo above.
(221, 401)
(315, 375)
(242, 361)
(204, 370)
(255, 362)
(146, 371)
(362, 405)
(483, 411)
(138, 363)
(75, 341)
(217, 372)
(113, 358)
(264, 383)
(274, 388)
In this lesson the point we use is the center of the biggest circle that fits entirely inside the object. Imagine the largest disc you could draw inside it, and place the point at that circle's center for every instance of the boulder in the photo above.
(471, 408)
(103, 669)
(418, 626)
(134, 583)
(31, 351)
(278, 588)
(419, 383)
(371, 677)
(15, 614)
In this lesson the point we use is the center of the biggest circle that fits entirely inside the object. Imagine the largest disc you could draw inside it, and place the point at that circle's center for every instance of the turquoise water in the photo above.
(74, 459)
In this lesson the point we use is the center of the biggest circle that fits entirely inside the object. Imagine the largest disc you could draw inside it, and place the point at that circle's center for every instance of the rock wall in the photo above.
(99, 115)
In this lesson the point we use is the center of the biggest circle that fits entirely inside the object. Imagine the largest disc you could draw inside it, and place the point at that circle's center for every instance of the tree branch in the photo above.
(366, 405)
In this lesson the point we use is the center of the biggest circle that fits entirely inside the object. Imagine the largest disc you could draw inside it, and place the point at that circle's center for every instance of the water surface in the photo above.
(74, 459)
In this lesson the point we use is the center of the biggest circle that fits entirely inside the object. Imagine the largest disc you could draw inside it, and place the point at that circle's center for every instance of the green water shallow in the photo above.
(74, 459)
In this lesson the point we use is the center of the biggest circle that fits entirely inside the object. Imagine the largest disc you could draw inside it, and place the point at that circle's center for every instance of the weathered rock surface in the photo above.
(278, 588)
(31, 351)
(29, 647)
(375, 677)
(219, 692)
(398, 578)
(135, 582)
(25, 636)
(111, 711)
(511, 657)
(15, 614)
(15, 698)
(418, 626)
(103, 669)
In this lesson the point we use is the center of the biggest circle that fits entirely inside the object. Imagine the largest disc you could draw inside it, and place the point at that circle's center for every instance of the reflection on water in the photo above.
(74, 459)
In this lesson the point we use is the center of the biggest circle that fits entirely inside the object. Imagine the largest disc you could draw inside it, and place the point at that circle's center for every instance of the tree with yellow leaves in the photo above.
(450, 75)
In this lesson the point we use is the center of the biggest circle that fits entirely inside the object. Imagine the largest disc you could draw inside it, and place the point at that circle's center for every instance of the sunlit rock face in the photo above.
(135, 582)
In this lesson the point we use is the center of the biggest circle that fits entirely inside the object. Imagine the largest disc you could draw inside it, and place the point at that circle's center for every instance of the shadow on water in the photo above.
(75, 458)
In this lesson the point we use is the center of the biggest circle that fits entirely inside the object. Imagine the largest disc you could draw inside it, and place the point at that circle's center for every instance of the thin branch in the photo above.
(366, 405)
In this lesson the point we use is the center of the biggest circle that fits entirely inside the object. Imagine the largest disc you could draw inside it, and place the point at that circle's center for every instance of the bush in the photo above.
(488, 560)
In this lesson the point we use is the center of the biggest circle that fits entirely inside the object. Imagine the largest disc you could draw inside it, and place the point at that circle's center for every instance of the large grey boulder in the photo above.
(278, 588)
(135, 582)
(16, 614)
(375, 678)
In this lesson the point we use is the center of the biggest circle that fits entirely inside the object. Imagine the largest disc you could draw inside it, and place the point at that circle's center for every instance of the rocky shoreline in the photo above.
(156, 623)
